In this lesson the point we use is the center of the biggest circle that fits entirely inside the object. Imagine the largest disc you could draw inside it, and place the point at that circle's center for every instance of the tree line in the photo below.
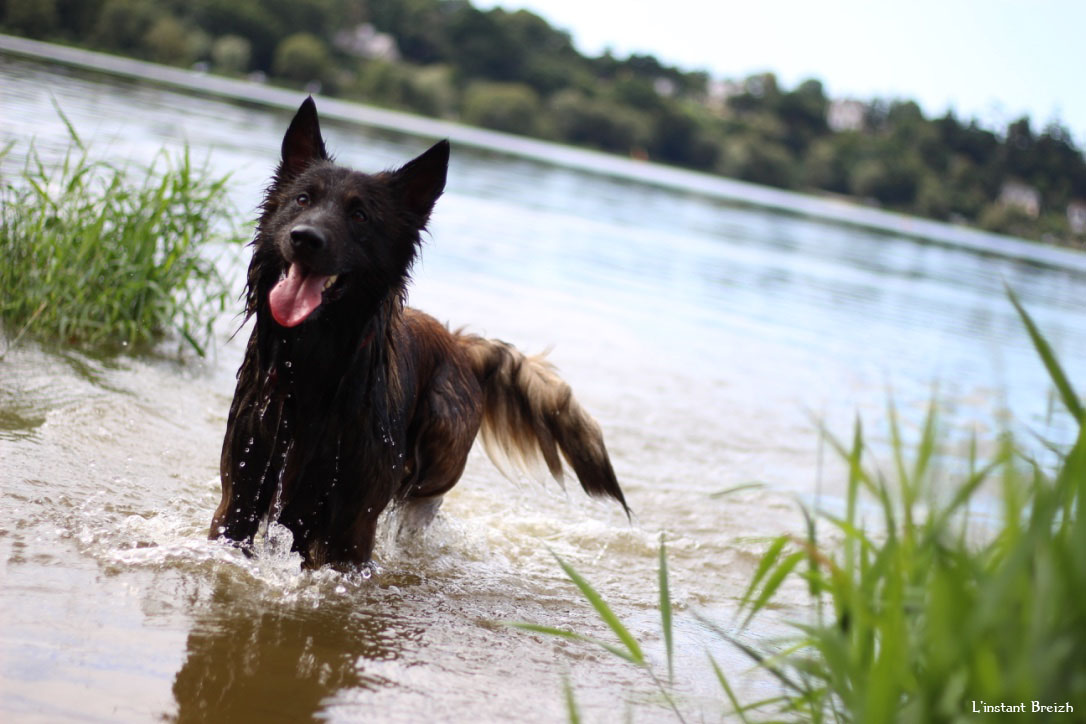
(513, 72)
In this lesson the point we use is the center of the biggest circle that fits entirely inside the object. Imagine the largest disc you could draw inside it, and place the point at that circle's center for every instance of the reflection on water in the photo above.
(247, 662)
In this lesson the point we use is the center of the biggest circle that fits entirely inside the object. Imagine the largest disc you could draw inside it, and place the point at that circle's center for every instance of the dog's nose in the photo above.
(308, 238)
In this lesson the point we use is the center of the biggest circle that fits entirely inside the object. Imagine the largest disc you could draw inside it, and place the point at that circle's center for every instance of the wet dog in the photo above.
(347, 400)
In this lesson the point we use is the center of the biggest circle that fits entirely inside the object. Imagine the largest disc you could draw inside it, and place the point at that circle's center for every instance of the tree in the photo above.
(36, 18)
(302, 57)
(231, 54)
(509, 107)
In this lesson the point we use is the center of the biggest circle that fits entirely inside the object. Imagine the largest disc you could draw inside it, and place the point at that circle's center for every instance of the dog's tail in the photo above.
(530, 412)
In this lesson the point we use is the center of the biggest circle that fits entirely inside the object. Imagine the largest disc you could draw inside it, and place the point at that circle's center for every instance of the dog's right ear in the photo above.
(302, 144)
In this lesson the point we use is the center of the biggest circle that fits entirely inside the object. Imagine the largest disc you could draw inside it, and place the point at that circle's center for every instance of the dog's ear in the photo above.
(302, 144)
(421, 180)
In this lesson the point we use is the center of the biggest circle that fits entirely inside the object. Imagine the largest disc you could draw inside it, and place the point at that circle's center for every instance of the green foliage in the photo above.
(111, 257)
(31, 17)
(123, 24)
(937, 607)
(428, 89)
(922, 619)
(231, 54)
(598, 122)
(460, 59)
(509, 107)
(169, 41)
(302, 57)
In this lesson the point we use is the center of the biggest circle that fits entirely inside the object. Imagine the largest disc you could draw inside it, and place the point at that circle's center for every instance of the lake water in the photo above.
(706, 337)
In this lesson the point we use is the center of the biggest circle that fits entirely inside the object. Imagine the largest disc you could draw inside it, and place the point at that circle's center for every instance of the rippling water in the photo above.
(704, 336)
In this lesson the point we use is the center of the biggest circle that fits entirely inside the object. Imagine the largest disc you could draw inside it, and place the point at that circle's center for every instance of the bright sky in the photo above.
(991, 59)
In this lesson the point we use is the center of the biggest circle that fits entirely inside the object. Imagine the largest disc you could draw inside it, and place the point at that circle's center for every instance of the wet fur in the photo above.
(368, 402)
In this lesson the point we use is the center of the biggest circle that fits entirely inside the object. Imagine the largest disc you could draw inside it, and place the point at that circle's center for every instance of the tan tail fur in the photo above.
(529, 412)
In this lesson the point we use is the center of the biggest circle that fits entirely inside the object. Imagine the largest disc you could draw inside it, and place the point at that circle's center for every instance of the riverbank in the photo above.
(727, 190)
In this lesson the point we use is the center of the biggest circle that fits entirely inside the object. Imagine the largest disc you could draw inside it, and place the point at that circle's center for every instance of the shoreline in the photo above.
(594, 162)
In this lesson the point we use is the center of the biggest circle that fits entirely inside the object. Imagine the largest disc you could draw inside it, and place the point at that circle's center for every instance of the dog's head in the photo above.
(329, 235)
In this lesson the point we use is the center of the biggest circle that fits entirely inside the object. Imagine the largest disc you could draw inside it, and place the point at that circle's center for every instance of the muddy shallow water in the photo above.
(702, 335)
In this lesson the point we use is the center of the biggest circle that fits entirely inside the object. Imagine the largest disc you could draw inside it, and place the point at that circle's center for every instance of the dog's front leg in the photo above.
(252, 462)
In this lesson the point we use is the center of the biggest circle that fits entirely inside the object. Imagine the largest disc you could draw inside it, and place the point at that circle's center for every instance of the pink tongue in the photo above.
(296, 296)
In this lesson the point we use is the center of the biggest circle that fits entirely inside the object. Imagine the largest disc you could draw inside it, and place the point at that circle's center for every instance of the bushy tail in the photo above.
(529, 413)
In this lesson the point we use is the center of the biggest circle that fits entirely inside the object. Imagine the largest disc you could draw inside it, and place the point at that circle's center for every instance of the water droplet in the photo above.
(366, 572)
(289, 364)
(241, 464)
(251, 441)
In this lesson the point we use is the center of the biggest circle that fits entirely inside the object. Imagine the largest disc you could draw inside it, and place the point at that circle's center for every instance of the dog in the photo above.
(349, 401)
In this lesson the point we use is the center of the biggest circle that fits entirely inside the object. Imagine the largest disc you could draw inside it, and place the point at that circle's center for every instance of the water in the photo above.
(705, 336)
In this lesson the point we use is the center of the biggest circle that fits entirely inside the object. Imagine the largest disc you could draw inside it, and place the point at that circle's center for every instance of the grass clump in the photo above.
(111, 257)
(938, 613)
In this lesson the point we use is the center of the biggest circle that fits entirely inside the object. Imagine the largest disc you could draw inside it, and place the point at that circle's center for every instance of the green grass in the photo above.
(111, 257)
(936, 607)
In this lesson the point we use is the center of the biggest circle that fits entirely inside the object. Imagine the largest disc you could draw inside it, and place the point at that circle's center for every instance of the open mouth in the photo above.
(298, 293)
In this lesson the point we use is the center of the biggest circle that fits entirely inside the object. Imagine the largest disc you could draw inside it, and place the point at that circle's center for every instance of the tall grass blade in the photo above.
(605, 612)
(665, 611)
(753, 485)
(1048, 357)
(773, 582)
(769, 558)
(572, 712)
(737, 708)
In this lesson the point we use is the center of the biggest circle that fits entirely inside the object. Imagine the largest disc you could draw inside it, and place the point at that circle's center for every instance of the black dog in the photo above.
(347, 400)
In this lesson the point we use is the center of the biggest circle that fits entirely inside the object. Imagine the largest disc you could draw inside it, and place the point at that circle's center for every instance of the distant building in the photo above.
(1021, 196)
(664, 87)
(845, 116)
(719, 91)
(1076, 217)
(364, 41)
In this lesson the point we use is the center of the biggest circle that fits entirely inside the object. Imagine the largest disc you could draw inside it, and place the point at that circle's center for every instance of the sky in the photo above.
(994, 60)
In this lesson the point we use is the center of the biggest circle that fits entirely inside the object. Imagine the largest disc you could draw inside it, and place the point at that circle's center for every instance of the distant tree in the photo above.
(302, 57)
(481, 46)
(123, 24)
(891, 180)
(36, 18)
(803, 112)
(751, 158)
(77, 18)
(598, 122)
(417, 25)
(510, 107)
(263, 28)
(231, 54)
(759, 93)
(169, 41)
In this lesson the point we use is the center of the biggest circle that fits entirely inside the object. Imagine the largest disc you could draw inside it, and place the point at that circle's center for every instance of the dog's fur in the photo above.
(347, 400)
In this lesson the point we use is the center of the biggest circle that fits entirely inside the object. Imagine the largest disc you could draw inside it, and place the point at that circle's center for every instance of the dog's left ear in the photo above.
(302, 144)
(422, 180)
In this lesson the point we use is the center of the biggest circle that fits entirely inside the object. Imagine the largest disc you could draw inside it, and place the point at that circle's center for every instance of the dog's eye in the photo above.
(302, 199)
(358, 215)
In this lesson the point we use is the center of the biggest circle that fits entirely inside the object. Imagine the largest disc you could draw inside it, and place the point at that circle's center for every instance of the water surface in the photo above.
(703, 335)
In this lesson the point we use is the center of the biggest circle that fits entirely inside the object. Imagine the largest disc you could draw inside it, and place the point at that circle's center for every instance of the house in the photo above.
(1021, 196)
(1076, 216)
(845, 115)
